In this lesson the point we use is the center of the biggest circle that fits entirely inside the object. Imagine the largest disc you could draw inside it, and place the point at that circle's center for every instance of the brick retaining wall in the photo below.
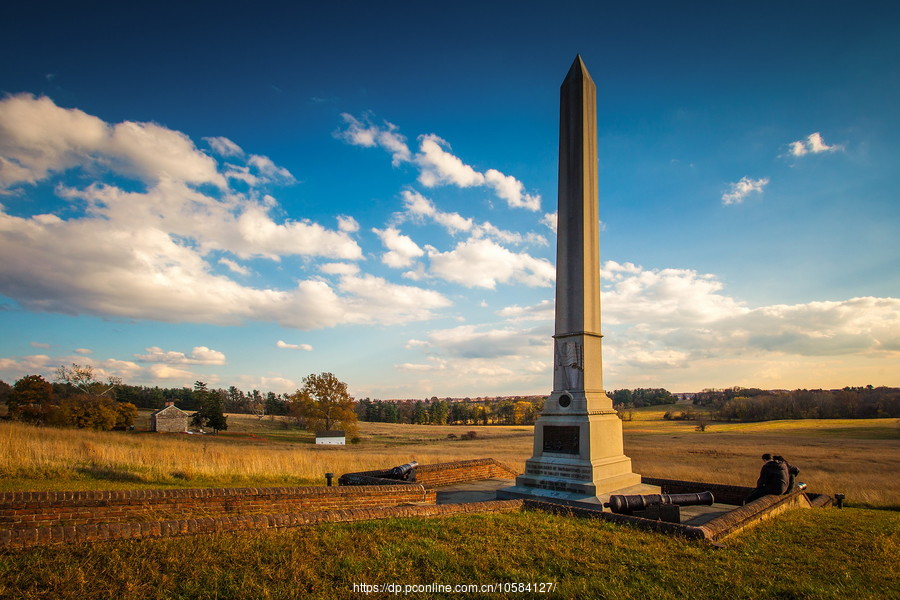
(22, 510)
(462, 471)
(42, 536)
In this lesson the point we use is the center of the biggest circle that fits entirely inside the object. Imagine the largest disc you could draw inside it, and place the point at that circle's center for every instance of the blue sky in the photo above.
(248, 194)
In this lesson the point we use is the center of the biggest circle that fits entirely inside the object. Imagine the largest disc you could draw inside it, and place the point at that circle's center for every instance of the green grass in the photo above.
(802, 554)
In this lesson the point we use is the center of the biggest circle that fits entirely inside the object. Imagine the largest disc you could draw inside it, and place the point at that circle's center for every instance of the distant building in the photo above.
(334, 438)
(170, 419)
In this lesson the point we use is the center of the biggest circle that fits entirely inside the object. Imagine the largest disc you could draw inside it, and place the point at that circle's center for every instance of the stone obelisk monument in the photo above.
(578, 454)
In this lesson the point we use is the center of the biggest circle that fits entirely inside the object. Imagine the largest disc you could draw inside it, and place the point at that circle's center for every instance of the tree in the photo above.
(420, 413)
(31, 399)
(323, 402)
(212, 408)
(86, 411)
(82, 378)
(438, 411)
(5, 391)
(523, 413)
(93, 405)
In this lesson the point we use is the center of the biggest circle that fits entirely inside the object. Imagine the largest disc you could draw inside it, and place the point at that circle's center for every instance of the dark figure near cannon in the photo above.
(405, 472)
(791, 469)
(775, 478)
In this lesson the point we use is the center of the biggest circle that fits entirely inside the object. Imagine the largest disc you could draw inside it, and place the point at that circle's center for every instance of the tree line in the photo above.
(76, 398)
(640, 397)
(518, 410)
(753, 404)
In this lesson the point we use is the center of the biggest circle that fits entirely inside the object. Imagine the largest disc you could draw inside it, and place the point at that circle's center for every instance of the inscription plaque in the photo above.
(561, 438)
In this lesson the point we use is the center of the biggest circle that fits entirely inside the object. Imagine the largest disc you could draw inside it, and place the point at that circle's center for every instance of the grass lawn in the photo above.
(821, 554)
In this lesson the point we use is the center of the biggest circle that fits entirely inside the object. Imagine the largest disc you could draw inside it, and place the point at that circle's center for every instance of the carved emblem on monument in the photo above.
(569, 364)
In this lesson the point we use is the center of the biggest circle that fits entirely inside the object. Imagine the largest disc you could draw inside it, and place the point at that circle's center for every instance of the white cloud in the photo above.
(285, 345)
(813, 143)
(38, 138)
(84, 351)
(279, 385)
(347, 224)
(542, 311)
(146, 254)
(374, 300)
(473, 341)
(436, 164)
(268, 171)
(13, 368)
(667, 297)
(39, 345)
(234, 267)
(550, 220)
(402, 251)
(419, 208)
(436, 364)
(439, 167)
(486, 357)
(224, 147)
(235, 223)
(511, 189)
(200, 355)
(483, 263)
(368, 135)
(164, 371)
(671, 317)
(339, 268)
(743, 188)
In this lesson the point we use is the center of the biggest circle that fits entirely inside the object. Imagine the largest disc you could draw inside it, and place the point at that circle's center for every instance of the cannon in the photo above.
(405, 472)
(626, 504)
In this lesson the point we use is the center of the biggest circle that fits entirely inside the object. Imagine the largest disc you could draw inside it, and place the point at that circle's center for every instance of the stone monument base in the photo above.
(578, 457)
(581, 500)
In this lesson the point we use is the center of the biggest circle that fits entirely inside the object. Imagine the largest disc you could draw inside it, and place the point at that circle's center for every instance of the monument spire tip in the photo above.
(578, 69)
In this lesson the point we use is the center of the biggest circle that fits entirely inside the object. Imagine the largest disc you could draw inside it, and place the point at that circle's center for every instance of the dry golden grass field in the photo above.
(860, 458)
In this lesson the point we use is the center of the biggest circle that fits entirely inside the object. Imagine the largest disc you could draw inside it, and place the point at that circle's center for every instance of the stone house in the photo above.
(333, 437)
(170, 419)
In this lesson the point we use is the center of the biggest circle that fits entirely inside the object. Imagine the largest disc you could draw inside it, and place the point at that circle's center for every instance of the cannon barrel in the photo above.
(403, 471)
(626, 504)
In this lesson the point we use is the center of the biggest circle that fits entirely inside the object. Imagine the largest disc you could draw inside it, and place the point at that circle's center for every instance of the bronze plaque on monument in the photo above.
(561, 438)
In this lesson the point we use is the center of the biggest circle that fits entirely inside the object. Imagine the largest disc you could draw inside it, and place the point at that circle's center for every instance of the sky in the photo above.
(245, 194)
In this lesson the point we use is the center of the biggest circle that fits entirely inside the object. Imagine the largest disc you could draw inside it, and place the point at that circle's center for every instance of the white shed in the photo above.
(335, 437)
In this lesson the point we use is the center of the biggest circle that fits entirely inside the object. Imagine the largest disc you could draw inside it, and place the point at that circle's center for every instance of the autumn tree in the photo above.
(31, 399)
(93, 405)
(323, 403)
(523, 413)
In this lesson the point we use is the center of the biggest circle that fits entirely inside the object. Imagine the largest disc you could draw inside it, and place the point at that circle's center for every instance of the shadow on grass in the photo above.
(109, 474)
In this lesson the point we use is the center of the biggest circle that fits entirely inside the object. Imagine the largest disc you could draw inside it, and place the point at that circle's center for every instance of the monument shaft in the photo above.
(577, 349)
(578, 454)
(578, 239)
